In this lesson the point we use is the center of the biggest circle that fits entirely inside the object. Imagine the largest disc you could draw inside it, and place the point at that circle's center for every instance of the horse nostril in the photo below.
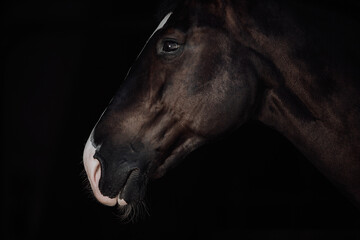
(93, 170)
(97, 168)
(97, 173)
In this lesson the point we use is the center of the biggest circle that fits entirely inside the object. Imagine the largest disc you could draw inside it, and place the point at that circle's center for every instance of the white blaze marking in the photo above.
(92, 166)
(161, 25)
(163, 22)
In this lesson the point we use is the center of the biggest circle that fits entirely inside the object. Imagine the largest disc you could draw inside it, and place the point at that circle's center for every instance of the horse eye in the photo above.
(170, 46)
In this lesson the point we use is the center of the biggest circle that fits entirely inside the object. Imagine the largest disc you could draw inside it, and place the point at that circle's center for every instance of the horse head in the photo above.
(190, 84)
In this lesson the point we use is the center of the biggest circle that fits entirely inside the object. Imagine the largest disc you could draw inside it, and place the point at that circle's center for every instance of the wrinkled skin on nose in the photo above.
(182, 92)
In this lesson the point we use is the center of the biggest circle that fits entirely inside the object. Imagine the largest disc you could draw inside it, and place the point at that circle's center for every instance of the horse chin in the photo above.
(132, 211)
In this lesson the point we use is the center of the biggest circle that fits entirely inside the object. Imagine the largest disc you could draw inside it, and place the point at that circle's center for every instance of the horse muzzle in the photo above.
(125, 187)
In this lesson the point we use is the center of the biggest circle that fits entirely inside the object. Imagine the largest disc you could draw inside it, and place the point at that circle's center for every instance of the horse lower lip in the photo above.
(121, 201)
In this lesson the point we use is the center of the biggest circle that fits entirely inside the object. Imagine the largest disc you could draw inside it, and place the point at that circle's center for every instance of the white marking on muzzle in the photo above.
(92, 165)
(93, 171)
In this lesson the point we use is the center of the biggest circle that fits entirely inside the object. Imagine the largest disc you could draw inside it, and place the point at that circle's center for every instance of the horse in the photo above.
(211, 66)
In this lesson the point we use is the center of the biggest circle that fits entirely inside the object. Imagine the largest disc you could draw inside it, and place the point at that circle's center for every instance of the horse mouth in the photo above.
(124, 196)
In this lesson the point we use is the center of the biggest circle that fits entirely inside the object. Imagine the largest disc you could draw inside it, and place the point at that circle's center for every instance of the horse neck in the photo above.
(323, 123)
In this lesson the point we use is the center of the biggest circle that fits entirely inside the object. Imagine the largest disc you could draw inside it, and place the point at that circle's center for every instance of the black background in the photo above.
(63, 61)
